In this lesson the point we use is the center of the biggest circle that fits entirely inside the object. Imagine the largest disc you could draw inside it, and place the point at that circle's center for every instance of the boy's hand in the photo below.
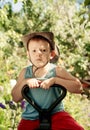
(33, 83)
(46, 84)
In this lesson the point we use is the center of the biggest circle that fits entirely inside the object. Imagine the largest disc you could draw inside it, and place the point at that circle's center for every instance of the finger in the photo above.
(36, 84)
(39, 82)
(43, 86)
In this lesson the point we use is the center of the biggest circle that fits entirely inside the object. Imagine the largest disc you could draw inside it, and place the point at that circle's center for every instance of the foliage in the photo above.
(71, 26)
(79, 108)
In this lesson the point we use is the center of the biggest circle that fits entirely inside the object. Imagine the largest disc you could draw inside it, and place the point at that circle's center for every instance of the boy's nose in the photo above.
(39, 52)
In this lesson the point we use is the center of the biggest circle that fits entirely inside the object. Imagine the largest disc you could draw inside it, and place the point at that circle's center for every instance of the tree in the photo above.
(70, 26)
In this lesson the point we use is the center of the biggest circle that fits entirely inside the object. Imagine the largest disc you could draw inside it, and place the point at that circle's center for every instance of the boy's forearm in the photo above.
(16, 92)
(73, 86)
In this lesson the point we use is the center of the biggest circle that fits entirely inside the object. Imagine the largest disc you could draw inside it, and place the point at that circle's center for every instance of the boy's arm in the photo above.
(65, 79)
(16, 91)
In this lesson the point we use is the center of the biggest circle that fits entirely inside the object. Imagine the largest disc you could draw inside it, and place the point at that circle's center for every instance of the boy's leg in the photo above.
(28, 124)
(63, 121)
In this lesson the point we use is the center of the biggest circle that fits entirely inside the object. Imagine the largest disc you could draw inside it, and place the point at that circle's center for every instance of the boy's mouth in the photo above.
(39, 59)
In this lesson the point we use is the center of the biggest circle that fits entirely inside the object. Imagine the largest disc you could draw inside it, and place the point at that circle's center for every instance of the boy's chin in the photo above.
(40, 65)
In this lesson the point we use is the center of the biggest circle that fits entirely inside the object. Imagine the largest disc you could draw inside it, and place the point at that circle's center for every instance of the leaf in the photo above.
(2, 127)
(15, 1)
(87, 2)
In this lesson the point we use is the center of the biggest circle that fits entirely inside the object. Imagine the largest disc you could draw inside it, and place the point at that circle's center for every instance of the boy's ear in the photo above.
(27, 54)
(52, 54)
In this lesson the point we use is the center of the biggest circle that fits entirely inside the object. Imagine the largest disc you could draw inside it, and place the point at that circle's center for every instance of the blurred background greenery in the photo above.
(69, 20)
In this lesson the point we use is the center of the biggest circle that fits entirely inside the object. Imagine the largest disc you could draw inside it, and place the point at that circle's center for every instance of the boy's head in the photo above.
(48, 36)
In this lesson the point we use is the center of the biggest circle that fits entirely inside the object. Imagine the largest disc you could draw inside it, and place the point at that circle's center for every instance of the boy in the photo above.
(39, 76)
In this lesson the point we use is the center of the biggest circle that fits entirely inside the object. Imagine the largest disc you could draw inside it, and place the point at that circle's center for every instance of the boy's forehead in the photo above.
(39, 40)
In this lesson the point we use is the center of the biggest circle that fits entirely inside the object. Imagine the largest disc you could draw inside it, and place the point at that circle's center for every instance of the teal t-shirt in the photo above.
(44, 98)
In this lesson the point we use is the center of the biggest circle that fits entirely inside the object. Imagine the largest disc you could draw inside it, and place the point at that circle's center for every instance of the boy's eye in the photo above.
(34, 50)
(44, 50)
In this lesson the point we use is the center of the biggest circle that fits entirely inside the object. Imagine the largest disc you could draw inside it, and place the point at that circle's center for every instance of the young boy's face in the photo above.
(39, 52)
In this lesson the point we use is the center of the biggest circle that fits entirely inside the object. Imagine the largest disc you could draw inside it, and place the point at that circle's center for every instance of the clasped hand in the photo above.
(45, 84)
